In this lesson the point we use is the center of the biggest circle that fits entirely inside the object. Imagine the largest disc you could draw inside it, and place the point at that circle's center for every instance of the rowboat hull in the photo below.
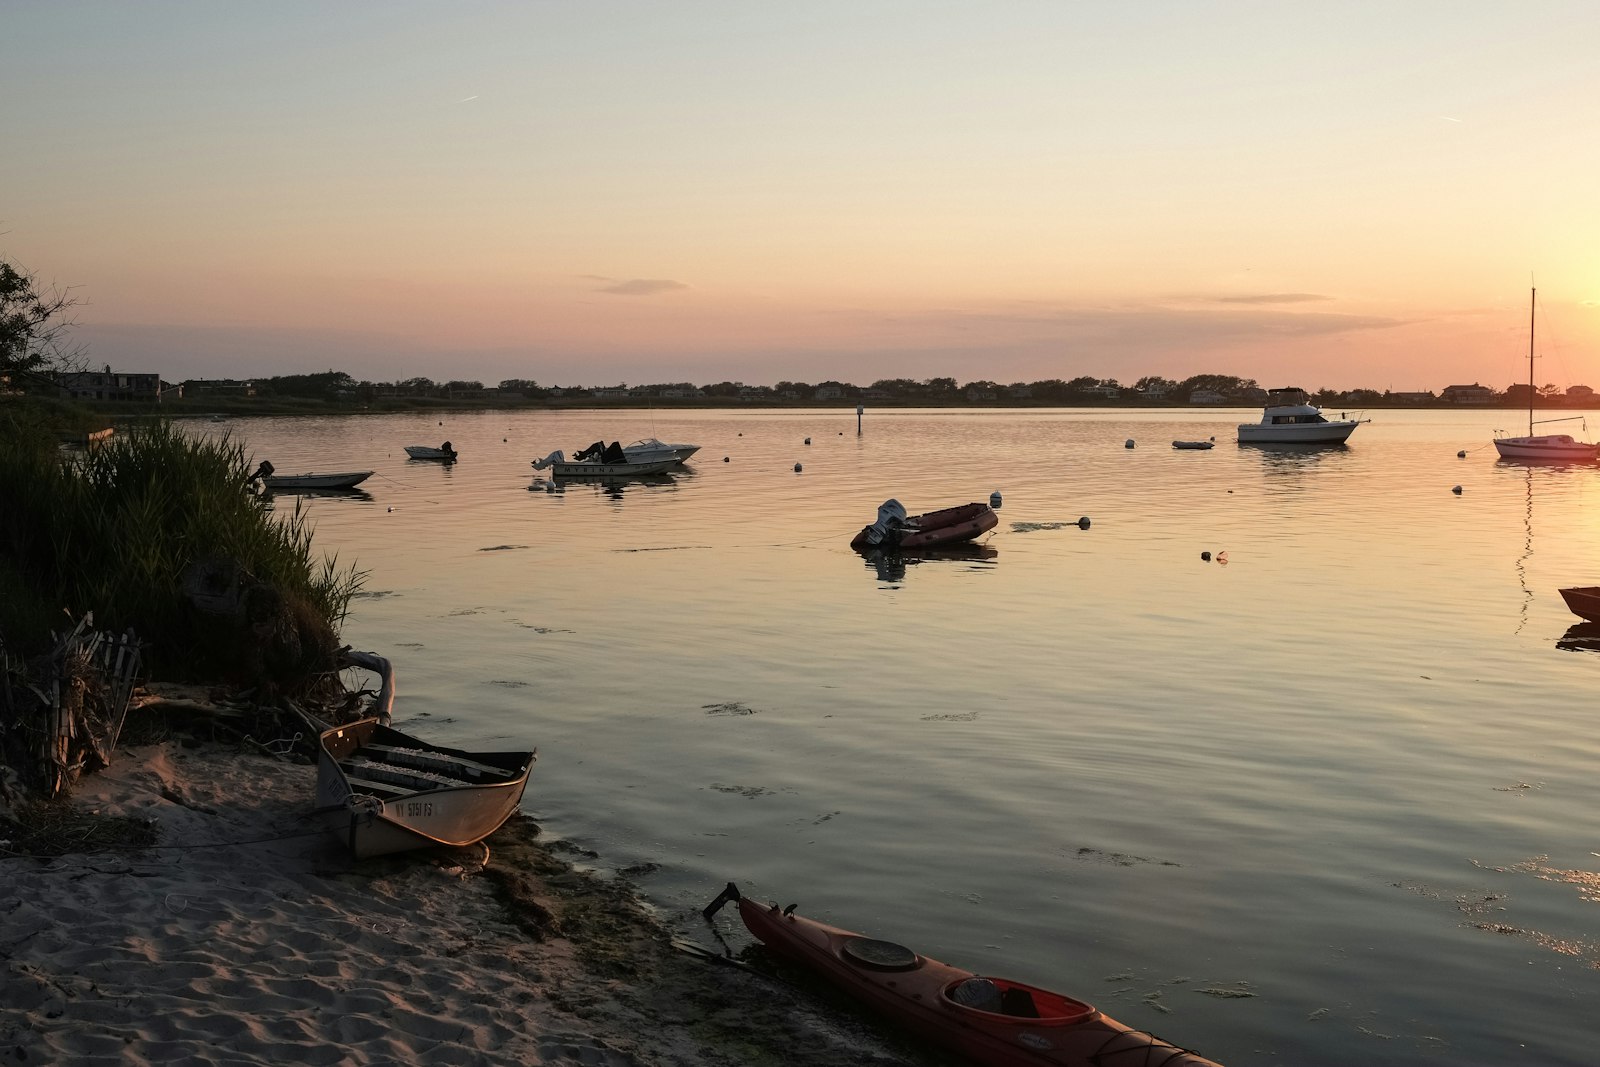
(1583, 601)
(947, 526)
(428, 452)
(385, 791)
(290, 482)
(1019, 1026)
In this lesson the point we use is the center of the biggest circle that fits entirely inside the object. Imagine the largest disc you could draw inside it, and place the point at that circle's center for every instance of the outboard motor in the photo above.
(886, 531)
(262, 472)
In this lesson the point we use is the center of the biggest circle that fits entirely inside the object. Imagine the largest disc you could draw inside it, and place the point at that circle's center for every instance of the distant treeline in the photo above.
(339, 389)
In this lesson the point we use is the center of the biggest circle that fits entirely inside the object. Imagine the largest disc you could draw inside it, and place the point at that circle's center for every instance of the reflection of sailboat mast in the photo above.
(1527, 551)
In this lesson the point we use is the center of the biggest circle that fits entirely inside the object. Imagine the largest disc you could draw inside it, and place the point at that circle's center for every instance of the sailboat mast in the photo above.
(1532, 300)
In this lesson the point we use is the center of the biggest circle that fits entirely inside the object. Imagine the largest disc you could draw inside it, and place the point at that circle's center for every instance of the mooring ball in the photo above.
(1206, 556)
(797, 468)
(1128, 443)
(994, 499)
(808, 440)
(1083, 523)
(724, 459)
(1462, 454)
(1456, 490)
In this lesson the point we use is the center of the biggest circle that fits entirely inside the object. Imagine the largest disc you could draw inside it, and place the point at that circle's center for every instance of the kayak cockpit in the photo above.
(1013, 1000)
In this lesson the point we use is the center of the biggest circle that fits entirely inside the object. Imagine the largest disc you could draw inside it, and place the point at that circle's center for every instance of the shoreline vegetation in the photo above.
(173, 902)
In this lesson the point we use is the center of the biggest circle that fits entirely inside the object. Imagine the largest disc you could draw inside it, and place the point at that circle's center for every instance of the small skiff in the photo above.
(444, 452)
(947, 526)
(993, 1021)
(341, 480)
(269, 478)
(1583, 601)
(386, 791)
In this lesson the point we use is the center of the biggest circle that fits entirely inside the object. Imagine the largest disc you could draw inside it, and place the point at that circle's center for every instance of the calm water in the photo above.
(1347, 771)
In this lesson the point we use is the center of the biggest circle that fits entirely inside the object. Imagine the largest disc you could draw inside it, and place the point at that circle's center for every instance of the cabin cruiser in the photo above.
(1290, 418)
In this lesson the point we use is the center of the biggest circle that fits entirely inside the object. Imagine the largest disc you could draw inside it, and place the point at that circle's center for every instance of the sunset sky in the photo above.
(586, 193)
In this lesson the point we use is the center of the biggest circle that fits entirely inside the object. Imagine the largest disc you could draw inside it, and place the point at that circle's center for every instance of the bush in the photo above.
(116, 529)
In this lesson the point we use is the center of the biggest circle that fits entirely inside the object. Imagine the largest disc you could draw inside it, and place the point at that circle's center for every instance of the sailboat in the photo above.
(1550, 448)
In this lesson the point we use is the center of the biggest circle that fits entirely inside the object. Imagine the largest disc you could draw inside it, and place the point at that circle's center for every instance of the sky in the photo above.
(1331, 194)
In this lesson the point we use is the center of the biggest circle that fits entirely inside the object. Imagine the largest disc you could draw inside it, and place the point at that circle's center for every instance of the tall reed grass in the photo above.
(113, 529)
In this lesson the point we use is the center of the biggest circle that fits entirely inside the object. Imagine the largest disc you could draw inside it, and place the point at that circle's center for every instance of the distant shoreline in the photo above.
(389, 406)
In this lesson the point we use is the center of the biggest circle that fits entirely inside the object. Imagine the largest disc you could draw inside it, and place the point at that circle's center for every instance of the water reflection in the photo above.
(337, 494)
(1580, 637)
(889, 564)
(610, 485)
(1292, 459)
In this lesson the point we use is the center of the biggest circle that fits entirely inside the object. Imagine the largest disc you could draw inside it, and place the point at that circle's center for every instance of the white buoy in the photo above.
(1128, 443)
(994, 500)
(1083, 523)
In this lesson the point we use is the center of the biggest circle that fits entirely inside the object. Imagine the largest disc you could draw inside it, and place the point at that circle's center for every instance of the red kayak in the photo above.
(1584, 601)
(947, 526)
(993, 1021)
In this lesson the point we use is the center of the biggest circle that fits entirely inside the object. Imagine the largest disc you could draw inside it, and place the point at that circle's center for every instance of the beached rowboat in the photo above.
(386, 791)
(993, 1021)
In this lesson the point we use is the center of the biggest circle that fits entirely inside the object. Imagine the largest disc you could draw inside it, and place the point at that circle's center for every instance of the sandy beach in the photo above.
(245, 935)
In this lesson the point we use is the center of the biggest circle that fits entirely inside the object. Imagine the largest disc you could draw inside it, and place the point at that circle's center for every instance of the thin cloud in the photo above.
(642, 287)
(1273, 298)
(463, 100)
(1447, 118)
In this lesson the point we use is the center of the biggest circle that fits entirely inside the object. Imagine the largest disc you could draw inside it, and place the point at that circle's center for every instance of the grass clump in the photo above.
(121, 530)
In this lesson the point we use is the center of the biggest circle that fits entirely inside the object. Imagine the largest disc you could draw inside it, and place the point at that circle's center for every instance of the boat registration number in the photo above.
(416, 807)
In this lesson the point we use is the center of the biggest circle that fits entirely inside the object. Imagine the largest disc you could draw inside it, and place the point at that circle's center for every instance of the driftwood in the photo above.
(64, 712)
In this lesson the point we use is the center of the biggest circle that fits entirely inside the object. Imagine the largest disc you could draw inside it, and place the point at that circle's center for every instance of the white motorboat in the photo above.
(648, 449)
(607, 465)
(444, 452)
(1542, 448)
(1290, 418)
(270, 479)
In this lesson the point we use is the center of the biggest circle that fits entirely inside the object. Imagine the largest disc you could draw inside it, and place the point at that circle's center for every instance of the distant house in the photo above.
(1413, 398)
(609, 394)
(1020, 392)
(1207, 396)
(640, 392)
(979, 393)
(1580, 394)
(219, 387)
(1109, 392)
(1468, 394)
(829, 392)
(679, 393)
(112, 385)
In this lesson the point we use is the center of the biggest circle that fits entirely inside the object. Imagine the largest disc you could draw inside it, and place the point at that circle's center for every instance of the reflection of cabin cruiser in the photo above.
(1290, 418)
